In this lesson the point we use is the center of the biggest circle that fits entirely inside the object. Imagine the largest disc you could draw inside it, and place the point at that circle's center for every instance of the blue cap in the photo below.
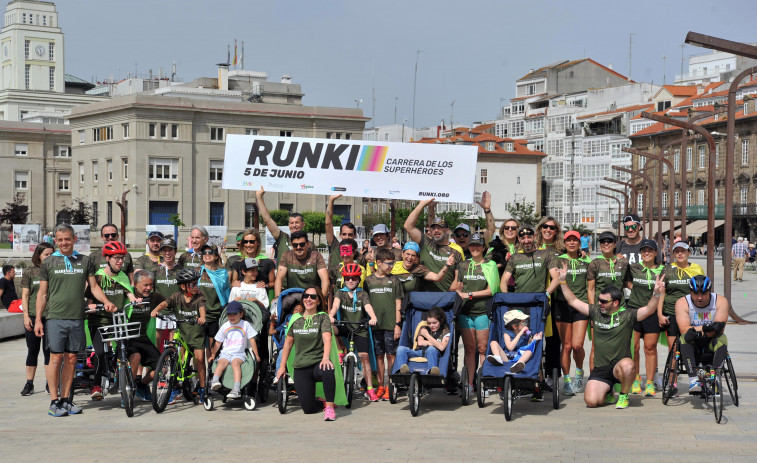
(234, 307)
(413, 246)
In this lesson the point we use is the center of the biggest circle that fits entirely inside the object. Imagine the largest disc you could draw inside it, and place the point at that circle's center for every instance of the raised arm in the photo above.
(279, 284)
(415, 234)
(654, 301)
(272, 227)
(571, 298)
(330, 219)
(486, 205)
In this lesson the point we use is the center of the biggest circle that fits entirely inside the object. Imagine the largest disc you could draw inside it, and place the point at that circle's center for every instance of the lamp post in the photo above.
(650, 189)
(619, 206)
(625, 195)
(630, 190)
(662, 159)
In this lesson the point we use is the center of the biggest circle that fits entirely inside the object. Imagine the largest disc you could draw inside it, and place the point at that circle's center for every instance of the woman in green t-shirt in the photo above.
(215, 286)
(29, 287)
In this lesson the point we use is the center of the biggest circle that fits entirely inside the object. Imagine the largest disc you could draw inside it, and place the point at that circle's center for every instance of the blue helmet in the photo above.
(700, 284)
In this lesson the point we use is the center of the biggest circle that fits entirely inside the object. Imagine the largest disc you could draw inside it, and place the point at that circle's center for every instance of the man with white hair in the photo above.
(739, 253)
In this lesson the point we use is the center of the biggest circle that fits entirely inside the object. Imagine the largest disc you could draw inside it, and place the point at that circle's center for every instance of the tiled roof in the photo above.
(681, 90)
(481, 128)
(519, 146)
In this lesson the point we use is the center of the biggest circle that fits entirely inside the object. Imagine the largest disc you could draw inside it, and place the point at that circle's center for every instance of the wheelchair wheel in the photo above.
(716, 391)
(249, 403)
(126, 382)
(480, 393)
(670, 374)
(507, 389)
(730, 380)
(555, 389)
(414, 393)
(208, 403)
(349, 381)
(392, 392)
(464, 382)
(164, 380)
(282, 395)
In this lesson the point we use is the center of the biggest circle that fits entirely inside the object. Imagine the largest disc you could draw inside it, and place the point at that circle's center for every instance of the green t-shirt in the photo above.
(302, 273)
(352, 309)
(193, 335)
(411, 280)
(282, 244)
(575, 278)
(472, 276)
(165, 280)
(677, 284)
(434, 256)
(213, 305)
(65, 287)
(383, 293)
(30, 281)
(530, 270)
(308, 338)
(99, 261)
(606, 273)
(144, 262)
(612, 334)
(642, 279)
(116, 294)
(190, 260)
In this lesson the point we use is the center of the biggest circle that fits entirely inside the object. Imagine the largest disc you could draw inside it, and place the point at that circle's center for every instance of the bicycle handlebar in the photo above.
(172, 318)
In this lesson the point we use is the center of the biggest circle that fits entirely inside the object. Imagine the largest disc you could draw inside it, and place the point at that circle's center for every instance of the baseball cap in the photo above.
(155, 233)
(380, 228)
(234, 307)
(680, 244)
(250, 263)
(632, 218)
(515, 314)
(647, 243)
(572, 233)
(168, 243)
(476, 239)
(464, 226)
(212, 247)
(413, 246)
(525, 230)
(438, 220)
(607, 235)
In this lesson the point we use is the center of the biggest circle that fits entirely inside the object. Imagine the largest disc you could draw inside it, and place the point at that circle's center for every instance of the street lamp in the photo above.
(625, 195)
(662, 159)
(630, 189)
(619, 206)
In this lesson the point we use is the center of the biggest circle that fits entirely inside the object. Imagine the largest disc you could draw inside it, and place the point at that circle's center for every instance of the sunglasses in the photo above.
(606, 242)
(351, 278)
(462, 235)
(299, 245)
(551, 227)
(631, 227)
(208, 252)
(310, 296)
(604, 301)
(249, 241)
(110, 235)
(509, 227)
(389, 263)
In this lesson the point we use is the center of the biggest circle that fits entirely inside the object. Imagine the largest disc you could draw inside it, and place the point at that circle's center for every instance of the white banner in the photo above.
(165, 229)
(269, 241)
(216, 235)
(352, 167)
(25, 237)
(82, 245)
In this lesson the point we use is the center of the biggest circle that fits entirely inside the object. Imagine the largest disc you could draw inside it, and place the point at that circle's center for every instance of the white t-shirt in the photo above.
(235, 337)
(249, 292)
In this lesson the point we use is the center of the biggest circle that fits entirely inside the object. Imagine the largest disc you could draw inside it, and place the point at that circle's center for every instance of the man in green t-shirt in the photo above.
(198, 237)
(296, 223)
(108, 233)
(62, 280)
(301, 267)
(613, 328)
(530, 267)
(151, 259)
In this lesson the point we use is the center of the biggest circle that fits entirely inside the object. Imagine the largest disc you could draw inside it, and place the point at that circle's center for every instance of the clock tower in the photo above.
(31, 48)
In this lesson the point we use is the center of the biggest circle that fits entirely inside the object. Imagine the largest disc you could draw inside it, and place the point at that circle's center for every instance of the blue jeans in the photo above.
(404, 353)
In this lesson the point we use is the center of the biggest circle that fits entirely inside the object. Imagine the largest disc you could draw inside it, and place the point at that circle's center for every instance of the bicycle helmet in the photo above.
(700, 284)
(351, 270)
(114, 248)
(186, 275)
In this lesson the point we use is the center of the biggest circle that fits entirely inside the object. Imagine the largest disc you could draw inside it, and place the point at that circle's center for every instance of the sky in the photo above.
(471, 53)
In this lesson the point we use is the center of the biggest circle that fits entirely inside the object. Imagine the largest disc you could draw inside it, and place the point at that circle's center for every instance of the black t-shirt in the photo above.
(9, 291)
(632, 252)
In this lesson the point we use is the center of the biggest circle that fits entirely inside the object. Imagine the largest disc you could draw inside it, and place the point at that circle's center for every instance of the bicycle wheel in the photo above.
(668, 375)
(164, 380)
(730, 380)
(349, 381)
(716, 390)
(126, 384)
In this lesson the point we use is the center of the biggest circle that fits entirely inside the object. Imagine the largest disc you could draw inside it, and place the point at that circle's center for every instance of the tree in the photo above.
(80, 212)
(402, 214)
(580, 228)
(175, 220)
(524, 213)
(315, 222)
(15, 211)
(281, 217)
(372, 219)
(453, 218)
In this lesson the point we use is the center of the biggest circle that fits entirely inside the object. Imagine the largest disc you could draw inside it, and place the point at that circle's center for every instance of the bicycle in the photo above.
(174, 369)
(351, 359)
(120, 331)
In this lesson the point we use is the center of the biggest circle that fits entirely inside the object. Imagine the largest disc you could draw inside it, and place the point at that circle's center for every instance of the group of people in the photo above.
(623, 293)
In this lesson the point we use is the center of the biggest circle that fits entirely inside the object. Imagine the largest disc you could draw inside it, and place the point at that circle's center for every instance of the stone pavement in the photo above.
(444, 429)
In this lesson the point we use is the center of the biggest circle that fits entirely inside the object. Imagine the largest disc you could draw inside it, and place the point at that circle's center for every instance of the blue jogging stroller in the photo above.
(524, 382)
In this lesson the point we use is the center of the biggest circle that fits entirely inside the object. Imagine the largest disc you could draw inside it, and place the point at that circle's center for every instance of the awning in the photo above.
(666, 226)
(699, 227)
(601, 118)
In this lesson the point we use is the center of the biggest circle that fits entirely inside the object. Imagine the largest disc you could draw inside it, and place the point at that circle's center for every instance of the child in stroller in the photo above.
(235, 335)
(518, 341)
(431, 339)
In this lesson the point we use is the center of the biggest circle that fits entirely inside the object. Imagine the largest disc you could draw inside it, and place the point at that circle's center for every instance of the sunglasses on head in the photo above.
(299, 245)
(110, 235)
(310, 296)
(604, 301)
(526, 233)
(551, 227)
(249, 241)
(631, 227)
(510, 227)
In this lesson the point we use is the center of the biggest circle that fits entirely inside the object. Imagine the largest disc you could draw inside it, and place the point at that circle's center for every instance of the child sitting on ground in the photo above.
(519, 343)
(236, 334)
(431, 340)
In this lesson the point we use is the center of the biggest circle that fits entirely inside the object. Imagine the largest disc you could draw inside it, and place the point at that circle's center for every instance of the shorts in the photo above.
(384, 342)
(605, 374)
(650, 325)
(65, 335)
(474, 322)
(564, 313)
(193, 335)
(361, 342)
(586, 250)
(672, 328)
(229, 356)
(211, 328)
(147, 351)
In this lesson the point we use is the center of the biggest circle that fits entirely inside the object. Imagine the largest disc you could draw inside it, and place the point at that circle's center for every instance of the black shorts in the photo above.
(564, 313)
(361, 342)
(147, 351)
(211, 328)
(605, 374)
(672, 328)
(384, 342)
(649, 325)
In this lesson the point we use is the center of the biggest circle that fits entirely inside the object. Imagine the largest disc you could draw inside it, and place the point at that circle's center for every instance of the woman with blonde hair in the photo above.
(549, 235)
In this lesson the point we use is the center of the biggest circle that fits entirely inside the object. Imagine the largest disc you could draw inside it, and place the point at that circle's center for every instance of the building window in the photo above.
(216, 171)
(688, 197)
(109, 165)
(52, 78)
(484, 176)
(285, 133)
(110, 212)
(700, 197)
(174, 131)
(102, 133)
(663, 105)
(125, 168)
(21, 180)
(64, 182)
(743, 195)
(517, 181)
(151, 130)
(125, 130)
(51, 51)
(689, 161)
(639, 202)
(82, 137)
(289, 207)
(744, 152)
(677, 198)
(216, 134)
(81, 172)
(677, 162)
(531, 89)
(21, 149)
(95, 173)
(216, 213)
(251, 131)
(249, 215)
(95, 213)
(509, 146)
(27, 78)
(163, 130)
(701, 157)
(27, 48)
(717, 155)
(163, 169)
(23, 19)
(348, 136)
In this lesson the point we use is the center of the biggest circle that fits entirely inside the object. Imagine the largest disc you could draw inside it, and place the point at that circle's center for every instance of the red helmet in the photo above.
(114, 248)
(351, 270)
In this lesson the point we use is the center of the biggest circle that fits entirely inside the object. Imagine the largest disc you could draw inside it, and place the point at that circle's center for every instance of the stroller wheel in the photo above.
(464, 383)
(392, 392)
(480, 392)
(208, 403)
(507, 390)
(249, 403)
(414, 393)
(282, 394)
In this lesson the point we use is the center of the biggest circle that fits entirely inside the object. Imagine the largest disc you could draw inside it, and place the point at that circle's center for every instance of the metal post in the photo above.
(630, 189)
(650, 190)
(660, 158)
(124, 210)
(619, 206)
(625, 195)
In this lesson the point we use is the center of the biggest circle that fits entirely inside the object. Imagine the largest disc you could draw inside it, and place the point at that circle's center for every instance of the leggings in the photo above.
(33, 344)
(304, 382)
(552, 346)
(717, 344)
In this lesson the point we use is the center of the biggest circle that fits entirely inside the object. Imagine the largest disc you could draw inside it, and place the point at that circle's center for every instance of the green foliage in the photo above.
(481, 223)
(80, 212)
(580, 228)
(315, 222)
(453, 218)
(175, 220)
(524, 213)
(374, 218)
(281, 217)
(15, 211)
(402, 214)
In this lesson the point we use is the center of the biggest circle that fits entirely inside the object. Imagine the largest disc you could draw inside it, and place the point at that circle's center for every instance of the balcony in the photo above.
(700, 212)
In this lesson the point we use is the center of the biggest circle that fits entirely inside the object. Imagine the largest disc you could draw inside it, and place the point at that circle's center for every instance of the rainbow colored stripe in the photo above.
(372, 158)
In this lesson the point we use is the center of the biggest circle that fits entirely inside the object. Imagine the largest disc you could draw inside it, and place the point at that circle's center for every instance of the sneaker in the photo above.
(434, 371)
(56, 410)
(694, 386)
(215, 386)
(96, 393)
(673, 391)
(538, 396)
(568, 388)
(380, 391)
(175, 394)
(329, 414)
(622, 401)
(28, 389)
(234, 394)
(143, 392)
(518, 366)
(404, 369)
(495, 360)
(71, 408)
(386, 394)
(201, 394)
(290, 381)
(610, 397)
(578, 383)
(649, 390)
(372, 396)
(636, 387)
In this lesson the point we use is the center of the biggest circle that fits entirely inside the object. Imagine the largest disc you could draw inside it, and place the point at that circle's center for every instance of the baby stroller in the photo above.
(419, 380)
(282, 307)
(515, 385)
(254, 315)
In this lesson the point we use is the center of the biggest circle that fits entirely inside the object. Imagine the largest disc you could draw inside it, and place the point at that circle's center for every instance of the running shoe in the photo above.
(215, 386)
(28, 389)
(610, 397)
(636, 387)
(96, 393)
(495, 360)
(386, 394)
(175, 394)
(568, 388)
(578, 383)
(404, 369)
(56, 410)
(71, 408)
(650, 390)
(143, 392)
(694, 386)
(380, 391)
(372, 396)
(434, 371)
(622, 401)
(234, 394)
(329, 414)
(538, 396)
(518, 366)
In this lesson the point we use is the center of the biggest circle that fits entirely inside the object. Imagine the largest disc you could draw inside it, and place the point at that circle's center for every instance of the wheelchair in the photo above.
(711, 378)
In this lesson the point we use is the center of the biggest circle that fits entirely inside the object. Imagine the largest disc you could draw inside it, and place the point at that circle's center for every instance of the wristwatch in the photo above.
(399, 324)
(470, 295)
